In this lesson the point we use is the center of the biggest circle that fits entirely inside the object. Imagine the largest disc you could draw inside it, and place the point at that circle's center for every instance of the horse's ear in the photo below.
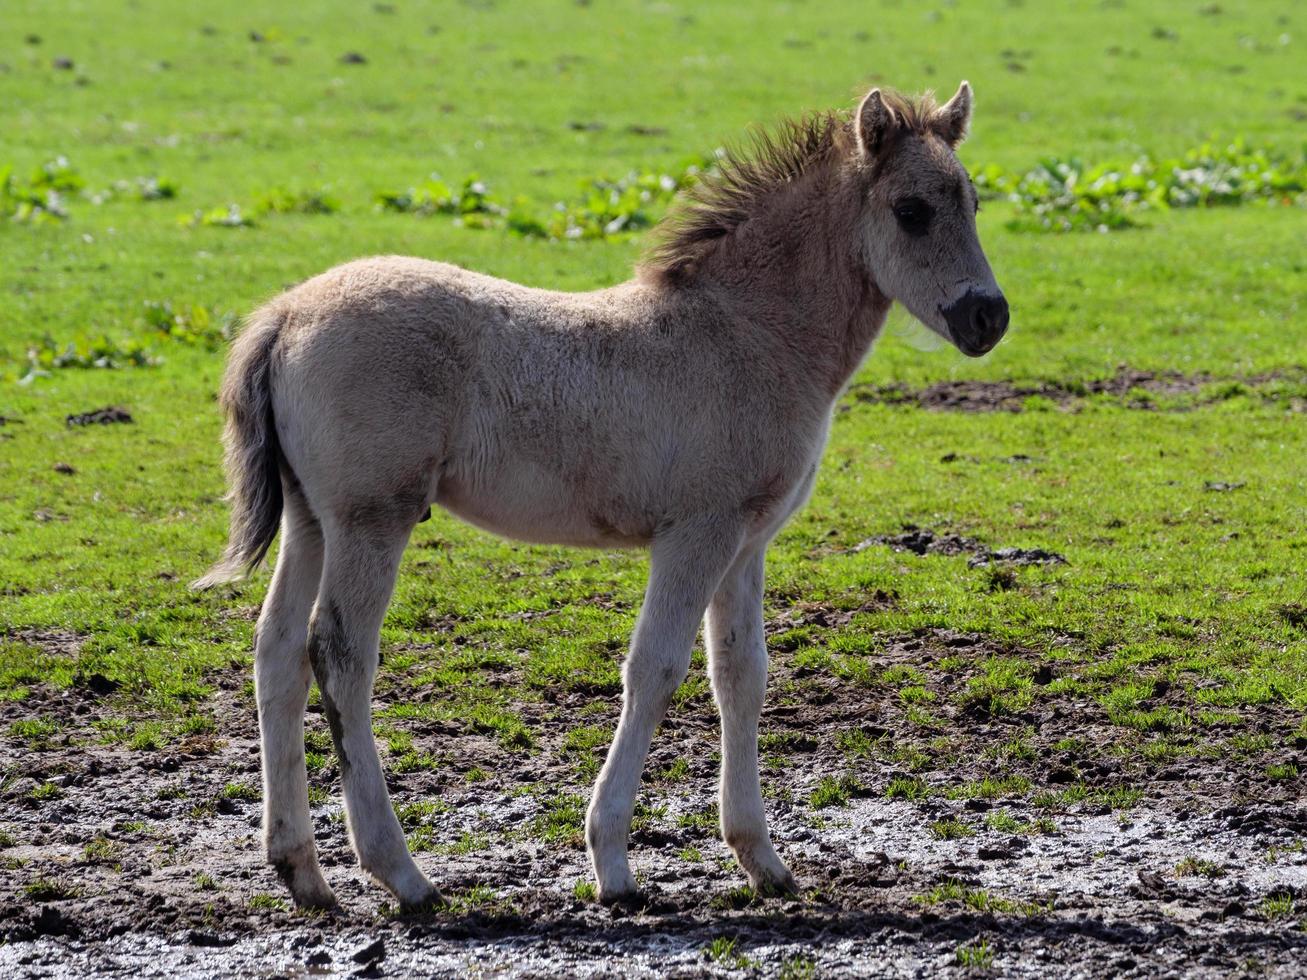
(875, 122)
(952, 119)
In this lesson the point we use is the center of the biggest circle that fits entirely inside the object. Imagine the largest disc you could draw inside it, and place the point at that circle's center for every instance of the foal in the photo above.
(685, 411)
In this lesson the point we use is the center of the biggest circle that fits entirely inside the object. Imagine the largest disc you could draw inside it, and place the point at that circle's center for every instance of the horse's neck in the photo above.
(793, 270)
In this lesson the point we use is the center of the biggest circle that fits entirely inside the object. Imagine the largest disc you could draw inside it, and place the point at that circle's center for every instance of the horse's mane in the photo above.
(746, 175)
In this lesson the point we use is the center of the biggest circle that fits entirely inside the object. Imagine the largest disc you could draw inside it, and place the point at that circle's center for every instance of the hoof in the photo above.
(426, 902)
(775, 886)
(769, 876)
(624, 894)
(308, 889)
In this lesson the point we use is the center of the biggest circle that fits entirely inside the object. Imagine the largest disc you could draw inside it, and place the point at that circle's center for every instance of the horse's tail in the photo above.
(253, 458)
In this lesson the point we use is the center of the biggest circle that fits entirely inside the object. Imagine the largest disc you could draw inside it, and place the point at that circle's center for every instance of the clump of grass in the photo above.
(950, 829)
(907, 788)
(1281, 771)
(35, 732)
(471, 205)
(1115, 798)
(230, 216)
(606, 208)
(1198, 867)
(1066, 194)
(191, 324)
(1003, 687)
(100, 850)
(740, 897)
(562, 820)
(263, 902)
(975, 956)
(978, 899)
(704, 821)
(39, 199)
(479, 898)
(46, 889)
(205, 882)
(151, 188)
(303, 200)
(585, 891)
(147, 738)
(725, 950)
(100, 351)
(676, 772)
(834, 792)
(855, 743)
(1276, 906)
(46, 791)
(586, 739)
(419, 812)
(245, 792)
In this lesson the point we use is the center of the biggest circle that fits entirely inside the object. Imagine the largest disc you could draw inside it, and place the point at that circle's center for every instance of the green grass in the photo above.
(950, 828)
(975, 956)
(1181, 524)
(978, 900)
(834, 792)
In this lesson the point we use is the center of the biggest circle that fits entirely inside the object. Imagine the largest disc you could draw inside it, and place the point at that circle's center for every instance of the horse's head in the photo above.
(919, 224)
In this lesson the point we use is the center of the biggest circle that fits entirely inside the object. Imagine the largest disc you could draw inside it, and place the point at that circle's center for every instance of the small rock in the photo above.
(64, 468)
(353, 58)
(63, 64)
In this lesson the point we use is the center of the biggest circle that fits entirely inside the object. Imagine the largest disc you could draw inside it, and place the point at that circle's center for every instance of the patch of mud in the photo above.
(53, 641)
(1147, 390)
(925, 541)
(101, 416)
(148, 864)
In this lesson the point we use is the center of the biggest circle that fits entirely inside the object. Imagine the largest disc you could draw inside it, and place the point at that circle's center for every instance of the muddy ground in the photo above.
(1128, 387)
(146, 863)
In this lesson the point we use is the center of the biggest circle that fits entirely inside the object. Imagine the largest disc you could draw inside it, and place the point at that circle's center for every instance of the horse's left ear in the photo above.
(952, 119)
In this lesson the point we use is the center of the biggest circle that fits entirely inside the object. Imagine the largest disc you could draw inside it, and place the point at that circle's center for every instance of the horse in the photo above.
(684, 411)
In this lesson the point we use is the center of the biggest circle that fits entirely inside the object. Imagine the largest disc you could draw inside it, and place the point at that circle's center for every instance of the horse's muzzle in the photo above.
(976, 322)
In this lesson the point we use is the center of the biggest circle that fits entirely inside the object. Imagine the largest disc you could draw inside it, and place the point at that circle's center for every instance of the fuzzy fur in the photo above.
(685, 411)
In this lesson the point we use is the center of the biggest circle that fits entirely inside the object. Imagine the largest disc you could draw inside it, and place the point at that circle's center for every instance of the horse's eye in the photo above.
(913, 215)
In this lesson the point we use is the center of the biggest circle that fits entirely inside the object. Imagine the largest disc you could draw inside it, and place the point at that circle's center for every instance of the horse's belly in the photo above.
(540, 508)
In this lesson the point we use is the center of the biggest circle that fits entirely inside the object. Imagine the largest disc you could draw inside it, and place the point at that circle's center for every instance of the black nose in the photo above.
(977, 321)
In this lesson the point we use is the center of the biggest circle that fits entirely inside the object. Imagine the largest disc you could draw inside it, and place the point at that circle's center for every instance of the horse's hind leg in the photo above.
(362, 560)
(737, 664)
(687, 563)
(281, 684)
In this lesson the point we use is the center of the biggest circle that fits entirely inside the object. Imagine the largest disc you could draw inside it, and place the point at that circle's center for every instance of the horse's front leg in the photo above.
(687, 563)
(737, 664)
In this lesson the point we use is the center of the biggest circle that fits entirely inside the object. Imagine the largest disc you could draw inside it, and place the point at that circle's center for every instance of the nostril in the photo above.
(1001, 313)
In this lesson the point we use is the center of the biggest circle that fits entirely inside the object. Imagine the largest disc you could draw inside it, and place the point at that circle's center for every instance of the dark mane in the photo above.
(746, 175)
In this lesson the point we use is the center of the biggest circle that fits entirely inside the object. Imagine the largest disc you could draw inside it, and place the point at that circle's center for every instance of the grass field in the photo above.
(1143, 421)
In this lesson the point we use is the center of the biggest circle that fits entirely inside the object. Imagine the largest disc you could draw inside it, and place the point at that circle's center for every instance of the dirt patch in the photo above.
(925, 541)
(100, 416)
(1146, 390)
(53, 641)
(147, 862)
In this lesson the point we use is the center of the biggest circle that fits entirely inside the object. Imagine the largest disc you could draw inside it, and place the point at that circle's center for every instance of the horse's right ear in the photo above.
(875, 122)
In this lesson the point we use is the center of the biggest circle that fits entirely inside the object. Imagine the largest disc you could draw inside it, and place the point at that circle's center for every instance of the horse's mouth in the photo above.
(976, 322)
